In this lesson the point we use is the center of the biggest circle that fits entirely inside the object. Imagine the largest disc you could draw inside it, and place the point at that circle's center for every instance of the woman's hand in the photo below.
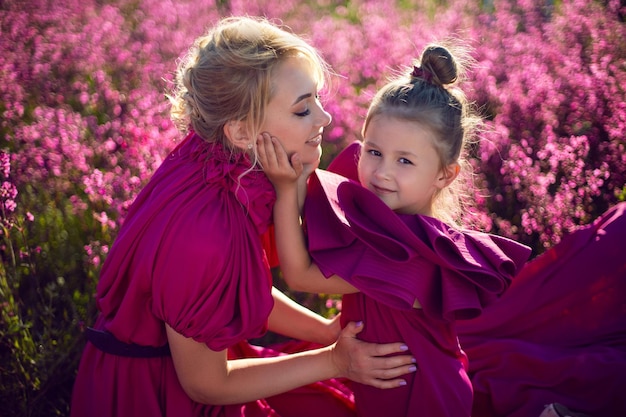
(334, 328)
(293, 320)
(370, 363)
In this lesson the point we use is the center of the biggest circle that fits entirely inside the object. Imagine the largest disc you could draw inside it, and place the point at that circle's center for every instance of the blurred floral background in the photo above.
(84, 123)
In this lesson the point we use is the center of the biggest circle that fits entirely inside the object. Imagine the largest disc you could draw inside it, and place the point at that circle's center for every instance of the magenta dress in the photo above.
(189, 254)
(557, 334)
(394, 259)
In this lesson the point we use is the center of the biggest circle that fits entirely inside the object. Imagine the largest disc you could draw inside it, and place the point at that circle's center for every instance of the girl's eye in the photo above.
(374, 152)
(405, 161)
(304, 113)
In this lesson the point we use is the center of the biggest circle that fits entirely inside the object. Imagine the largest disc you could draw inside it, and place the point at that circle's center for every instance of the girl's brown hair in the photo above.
(427, 94)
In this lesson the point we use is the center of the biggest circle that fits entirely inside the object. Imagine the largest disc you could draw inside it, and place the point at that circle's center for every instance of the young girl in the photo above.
(391, 243)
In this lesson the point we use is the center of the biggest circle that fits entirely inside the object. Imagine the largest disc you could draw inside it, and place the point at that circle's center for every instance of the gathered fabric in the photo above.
(190, 254)
(398, 258)
(556, 334)
(393, 260)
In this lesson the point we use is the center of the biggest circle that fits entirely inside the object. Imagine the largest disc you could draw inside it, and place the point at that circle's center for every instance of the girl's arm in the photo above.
(208, 377)
(294, 320)
(295, 263)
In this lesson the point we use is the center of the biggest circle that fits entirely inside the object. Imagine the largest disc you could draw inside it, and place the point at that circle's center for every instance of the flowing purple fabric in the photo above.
(394, 260)
(557, 334)
(394, 257)
(189, 254)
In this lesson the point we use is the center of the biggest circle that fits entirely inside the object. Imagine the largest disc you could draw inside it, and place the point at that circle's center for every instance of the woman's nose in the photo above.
(324, 118)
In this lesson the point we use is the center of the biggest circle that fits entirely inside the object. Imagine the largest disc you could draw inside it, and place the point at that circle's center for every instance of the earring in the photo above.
(249, 146)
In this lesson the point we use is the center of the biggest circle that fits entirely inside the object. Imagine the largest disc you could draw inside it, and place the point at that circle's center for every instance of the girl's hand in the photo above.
(370, 363)
(276, 163)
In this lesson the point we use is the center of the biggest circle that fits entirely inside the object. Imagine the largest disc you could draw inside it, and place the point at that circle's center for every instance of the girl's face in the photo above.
(294, 114)
(400, 165)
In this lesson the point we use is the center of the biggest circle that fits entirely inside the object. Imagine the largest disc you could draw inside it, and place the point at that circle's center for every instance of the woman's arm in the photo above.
(209, 378)
(294, 320)
(300, 273)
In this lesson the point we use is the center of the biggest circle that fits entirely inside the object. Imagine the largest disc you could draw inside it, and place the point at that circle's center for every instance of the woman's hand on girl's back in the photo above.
(370, 363)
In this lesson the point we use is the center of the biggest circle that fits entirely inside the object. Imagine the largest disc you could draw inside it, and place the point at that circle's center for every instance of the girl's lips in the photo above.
(379, 190)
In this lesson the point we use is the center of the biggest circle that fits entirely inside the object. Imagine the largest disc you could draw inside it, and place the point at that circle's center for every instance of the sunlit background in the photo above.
(84, 123)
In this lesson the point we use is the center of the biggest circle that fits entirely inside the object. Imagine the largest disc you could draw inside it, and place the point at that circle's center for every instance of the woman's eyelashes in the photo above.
(307, 111)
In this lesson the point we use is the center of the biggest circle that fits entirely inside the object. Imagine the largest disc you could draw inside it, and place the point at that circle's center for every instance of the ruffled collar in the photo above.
(354, 234)
(232, 171)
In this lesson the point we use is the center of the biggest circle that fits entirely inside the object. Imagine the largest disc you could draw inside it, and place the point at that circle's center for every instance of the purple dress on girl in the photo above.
(393, 260)
(189, 254)
(557, 334)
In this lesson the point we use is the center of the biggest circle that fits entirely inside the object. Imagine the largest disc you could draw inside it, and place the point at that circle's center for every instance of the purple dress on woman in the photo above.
(189, 254)
(393, 260)
(557, 334)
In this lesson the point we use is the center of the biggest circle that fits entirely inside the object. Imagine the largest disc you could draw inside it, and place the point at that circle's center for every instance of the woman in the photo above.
(188, 281)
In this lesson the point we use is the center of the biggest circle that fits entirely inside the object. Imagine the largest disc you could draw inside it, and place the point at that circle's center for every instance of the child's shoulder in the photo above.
(346, 162)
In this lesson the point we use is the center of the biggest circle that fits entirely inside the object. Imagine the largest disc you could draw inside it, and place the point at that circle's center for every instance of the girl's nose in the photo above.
(381, 171)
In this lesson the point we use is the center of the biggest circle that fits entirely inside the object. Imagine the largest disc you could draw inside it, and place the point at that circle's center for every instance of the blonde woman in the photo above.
(188, 281)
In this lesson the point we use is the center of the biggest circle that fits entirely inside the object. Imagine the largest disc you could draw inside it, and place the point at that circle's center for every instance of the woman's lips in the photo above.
(315, 141)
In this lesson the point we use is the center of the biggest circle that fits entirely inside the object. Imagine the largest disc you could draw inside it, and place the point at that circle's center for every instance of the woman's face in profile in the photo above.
(294, 114)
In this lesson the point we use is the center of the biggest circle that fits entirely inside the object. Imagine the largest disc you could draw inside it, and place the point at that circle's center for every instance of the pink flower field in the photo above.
(84, 123)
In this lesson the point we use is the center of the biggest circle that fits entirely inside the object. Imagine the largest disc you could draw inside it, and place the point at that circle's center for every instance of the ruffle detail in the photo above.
(187, 249)
(230, 170)
(396, 259)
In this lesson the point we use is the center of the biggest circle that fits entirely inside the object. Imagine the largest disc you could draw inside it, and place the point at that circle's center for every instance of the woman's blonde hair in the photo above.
(227, 75)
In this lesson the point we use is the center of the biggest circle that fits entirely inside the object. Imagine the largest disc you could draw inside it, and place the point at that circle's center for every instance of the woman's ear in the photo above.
(235, 131)
(448, 174)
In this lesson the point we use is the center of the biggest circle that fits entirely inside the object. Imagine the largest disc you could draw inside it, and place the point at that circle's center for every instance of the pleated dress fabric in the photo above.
(393, 260)
(190, 254)
(556, 334)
